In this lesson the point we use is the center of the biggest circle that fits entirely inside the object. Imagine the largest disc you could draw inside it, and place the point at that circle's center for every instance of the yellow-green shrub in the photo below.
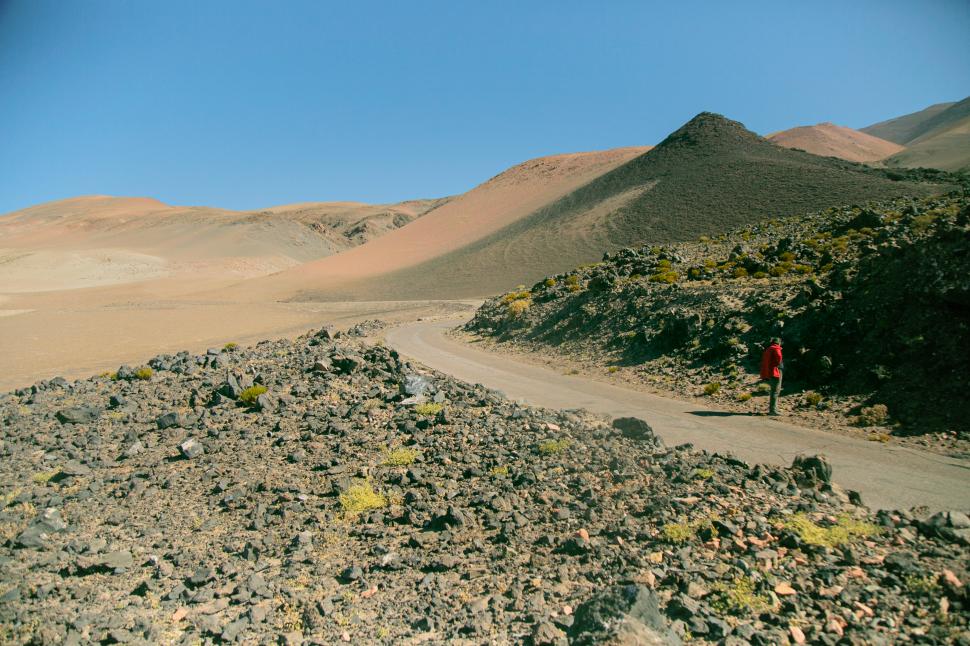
(249, 395)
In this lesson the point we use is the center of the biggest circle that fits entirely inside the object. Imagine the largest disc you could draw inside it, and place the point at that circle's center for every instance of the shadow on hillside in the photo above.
(719, 413)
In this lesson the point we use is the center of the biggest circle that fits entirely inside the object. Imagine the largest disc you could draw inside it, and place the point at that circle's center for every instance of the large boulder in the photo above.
(811, 470)
(622, 615)
(78, 415)
(637, 429)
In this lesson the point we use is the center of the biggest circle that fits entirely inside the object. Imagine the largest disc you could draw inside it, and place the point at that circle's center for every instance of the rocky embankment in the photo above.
(323, 491)
(872, 303)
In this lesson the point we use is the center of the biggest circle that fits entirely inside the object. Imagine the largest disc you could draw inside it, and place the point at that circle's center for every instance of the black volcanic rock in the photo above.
(347, 513)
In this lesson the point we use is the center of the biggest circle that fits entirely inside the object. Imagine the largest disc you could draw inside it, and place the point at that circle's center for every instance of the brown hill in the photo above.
(904, 129)
(709, 176)
(830, 140)
(97, 240)
(937, 137)
(465, 220)
(943, 141)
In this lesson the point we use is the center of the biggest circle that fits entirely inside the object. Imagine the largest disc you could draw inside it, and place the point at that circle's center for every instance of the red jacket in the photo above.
(771, 362)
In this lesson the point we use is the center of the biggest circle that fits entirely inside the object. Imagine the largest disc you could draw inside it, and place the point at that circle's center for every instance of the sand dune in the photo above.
(830, 140)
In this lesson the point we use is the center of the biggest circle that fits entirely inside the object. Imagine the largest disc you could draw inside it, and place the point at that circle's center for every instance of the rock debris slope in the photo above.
(872, 302)
(320, 490)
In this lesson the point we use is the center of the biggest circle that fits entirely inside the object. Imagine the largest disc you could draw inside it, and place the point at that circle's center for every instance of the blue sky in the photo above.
(246, 104)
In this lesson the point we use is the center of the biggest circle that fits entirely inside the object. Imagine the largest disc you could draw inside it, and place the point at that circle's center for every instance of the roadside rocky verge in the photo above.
(872, 303)
(322, 491)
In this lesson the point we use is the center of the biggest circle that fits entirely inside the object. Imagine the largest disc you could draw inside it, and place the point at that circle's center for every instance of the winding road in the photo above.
(887, 476)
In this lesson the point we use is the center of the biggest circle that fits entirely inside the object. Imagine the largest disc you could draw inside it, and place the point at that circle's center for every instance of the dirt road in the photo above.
(887, 476)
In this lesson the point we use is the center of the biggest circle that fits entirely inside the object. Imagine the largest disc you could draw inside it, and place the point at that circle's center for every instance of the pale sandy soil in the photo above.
(830, 140)
(77, 340)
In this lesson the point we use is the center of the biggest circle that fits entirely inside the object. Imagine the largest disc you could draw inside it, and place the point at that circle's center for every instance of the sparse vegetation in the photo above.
(43, 477)
(738, 597)
(743, 397)
(845, 530)
(144, 373)
(361, 497)
(683, 531)
(712, 388)
(251, 394)
(922, 584)
(519, 307)
(813, 398)
(230, 347)
(400, 457)
(500, 471)
(428, 408)
(554, 447)
(875, 415)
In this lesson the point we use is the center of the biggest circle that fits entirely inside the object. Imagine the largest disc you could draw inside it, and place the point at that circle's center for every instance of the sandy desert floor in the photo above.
(83, 332)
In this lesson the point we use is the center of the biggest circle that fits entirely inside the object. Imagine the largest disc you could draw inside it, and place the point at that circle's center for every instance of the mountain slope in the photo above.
(487, 208)
(943, 141)
(937, 137)
(707, 177)
(902, 130)
(830, 140)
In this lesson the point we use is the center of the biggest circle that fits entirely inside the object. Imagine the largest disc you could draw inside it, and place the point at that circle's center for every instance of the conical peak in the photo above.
(709, 129)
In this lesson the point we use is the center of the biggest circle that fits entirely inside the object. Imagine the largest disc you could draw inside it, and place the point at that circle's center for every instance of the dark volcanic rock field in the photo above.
(361, 499)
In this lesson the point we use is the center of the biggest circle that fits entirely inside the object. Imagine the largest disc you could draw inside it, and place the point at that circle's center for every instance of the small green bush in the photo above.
(926, 584)
(875, 415)
(553, 447)
(400, 457)
(574, 287)
(712, 388)
(740, 272)
(845, 530)
(519, 307)
(144, 373)
(787, 256)
(665, 277)
(743, 397)
(763, 388)
(572, 279)
(737, 597)
(813, 398)
(428, 408)
(511, 297)
(251, 394)
(43, 477)
(360, 498)
(500, 471)
(229, 347)
(759, 274)
(549, 282)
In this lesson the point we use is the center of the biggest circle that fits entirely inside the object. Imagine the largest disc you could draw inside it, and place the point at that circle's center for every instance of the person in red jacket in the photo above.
(772, 367)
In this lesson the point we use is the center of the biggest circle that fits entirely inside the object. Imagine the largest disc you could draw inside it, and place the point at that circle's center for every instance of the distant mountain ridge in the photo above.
(830, 140)
(709, 176)
(937, 137)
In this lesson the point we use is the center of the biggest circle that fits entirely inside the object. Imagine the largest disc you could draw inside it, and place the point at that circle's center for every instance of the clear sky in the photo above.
(246, 104)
